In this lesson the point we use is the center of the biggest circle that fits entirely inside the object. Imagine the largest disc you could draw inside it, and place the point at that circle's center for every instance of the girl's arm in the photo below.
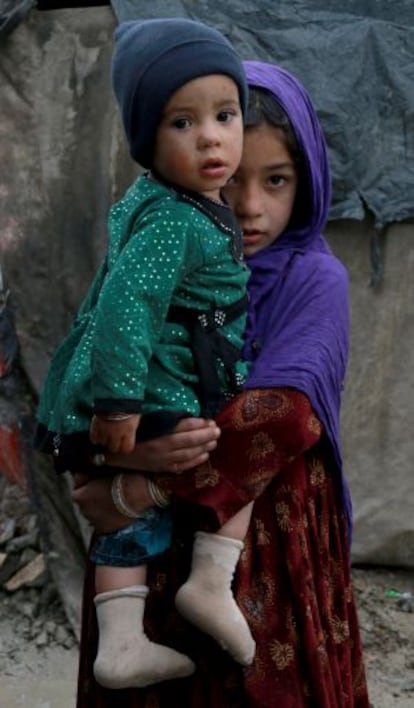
(262, 432)
(187, 447)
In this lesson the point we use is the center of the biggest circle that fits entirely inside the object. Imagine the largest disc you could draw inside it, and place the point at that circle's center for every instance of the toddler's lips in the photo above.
(213, 168)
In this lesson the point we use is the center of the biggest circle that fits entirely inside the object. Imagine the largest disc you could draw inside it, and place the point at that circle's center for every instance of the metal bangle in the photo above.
(116, 417)
(119, 499)
(157, 495)
(98, 459)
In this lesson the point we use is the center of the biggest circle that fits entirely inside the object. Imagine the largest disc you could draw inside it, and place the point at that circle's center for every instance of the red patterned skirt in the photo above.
(293, 585)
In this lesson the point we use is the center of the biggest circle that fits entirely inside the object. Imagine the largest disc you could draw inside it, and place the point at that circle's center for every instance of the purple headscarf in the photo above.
(298, 324)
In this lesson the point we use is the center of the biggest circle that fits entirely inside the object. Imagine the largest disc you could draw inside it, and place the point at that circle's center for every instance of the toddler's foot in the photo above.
(126, 657)
(206, 599)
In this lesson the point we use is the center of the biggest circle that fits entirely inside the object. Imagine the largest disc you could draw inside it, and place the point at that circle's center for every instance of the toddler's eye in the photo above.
(182, 123)
(225, 116)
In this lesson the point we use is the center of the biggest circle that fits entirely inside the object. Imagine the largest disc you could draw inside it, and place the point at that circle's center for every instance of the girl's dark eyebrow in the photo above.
(279, 166)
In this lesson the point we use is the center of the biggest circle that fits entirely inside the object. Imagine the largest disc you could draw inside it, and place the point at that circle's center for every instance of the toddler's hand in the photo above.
(114, 435)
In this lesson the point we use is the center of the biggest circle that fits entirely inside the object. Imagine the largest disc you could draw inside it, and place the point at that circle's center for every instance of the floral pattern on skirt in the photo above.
(292, 583)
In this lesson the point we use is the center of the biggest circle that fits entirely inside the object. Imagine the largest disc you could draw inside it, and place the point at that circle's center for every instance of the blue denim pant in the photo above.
(136, 543)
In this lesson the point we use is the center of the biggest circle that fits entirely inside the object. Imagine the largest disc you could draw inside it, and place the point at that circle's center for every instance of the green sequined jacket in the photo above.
(121, 350)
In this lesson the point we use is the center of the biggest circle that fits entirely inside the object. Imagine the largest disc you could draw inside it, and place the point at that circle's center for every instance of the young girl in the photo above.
(159, 334)
(279, 446)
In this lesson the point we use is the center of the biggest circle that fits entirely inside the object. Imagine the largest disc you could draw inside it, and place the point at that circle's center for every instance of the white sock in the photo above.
(126, 657)
(206, 599)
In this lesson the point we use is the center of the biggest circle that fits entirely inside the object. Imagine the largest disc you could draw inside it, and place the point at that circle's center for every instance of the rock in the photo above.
(9, 566)
(7, 529)
(41, 640)
(31, 573)
(27, 540)
(27, 609)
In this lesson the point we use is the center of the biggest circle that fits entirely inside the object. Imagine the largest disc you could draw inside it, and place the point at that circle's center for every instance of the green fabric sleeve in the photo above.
(92, 295)
(134, 302)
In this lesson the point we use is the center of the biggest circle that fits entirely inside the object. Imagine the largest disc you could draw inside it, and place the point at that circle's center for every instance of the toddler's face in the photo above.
(200, 137)
(263, 190)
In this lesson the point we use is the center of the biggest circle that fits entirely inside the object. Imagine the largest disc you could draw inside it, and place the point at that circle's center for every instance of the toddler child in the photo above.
(159, 334)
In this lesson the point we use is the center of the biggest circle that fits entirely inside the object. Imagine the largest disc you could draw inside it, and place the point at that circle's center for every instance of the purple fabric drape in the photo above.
(298, 324)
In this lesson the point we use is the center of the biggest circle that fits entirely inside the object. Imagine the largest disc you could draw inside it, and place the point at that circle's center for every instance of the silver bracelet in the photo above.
(116, 417)
(119, 499)
(159, 497)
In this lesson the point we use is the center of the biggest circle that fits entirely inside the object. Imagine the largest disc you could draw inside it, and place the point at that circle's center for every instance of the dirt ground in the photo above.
(38, 651)
(387, 626)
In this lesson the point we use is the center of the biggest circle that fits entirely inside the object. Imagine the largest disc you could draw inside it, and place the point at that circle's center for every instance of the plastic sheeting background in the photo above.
(64, 160)
(356, 58)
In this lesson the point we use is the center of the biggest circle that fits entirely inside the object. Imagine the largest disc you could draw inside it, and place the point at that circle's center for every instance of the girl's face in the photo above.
(263, 190)
(199, 140)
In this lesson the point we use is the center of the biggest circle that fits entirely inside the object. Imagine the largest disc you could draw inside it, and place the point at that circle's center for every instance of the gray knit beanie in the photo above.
(153, 59)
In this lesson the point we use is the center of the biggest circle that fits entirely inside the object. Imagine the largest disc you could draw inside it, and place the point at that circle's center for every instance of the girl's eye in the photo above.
(225, 116)
(181, 123)
(276, 180)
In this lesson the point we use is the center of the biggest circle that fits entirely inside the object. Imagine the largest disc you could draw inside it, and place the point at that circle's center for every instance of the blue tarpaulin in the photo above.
(357, 61)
